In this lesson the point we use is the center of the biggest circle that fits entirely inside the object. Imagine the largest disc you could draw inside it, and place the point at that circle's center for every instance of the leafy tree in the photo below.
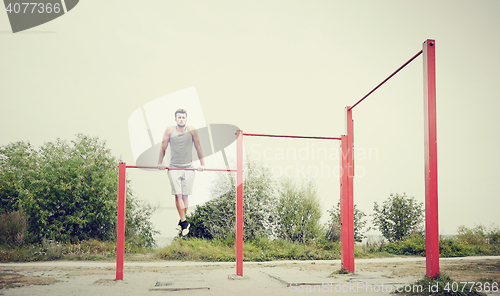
(398, 217)
(68, 190)
(299, 211)
(216, 219)
(333, 230)
(293, 213)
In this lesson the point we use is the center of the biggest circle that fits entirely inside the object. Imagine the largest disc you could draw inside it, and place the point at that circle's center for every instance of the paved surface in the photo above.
(206, 278)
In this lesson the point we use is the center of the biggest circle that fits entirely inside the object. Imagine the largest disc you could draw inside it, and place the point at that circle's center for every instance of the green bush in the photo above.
(68, 190)
(300, 212)
(398, 217)
(290, 213)
(197, 219)
(450, 248)
(333, 227)
(139, 230)
(478, 240)
(216, 218)
(472, 236)
(494, 236)
(413, 245)
(478, 235)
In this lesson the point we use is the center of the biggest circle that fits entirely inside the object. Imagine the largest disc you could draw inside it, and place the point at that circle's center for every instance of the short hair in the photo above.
(182, 111)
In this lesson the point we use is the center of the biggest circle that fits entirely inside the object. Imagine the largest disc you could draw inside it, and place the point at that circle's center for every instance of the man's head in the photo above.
(181, 117)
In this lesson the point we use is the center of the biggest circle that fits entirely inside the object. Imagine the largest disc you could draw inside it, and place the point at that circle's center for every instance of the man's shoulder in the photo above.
(169, 130)
(192, 131)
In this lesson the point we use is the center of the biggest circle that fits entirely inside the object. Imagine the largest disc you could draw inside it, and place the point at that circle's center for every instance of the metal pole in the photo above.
(120, 228)
(344, 195)
(394, 73)
(172, 168)
(239, 203)
(350, 201)
(430, 147)
(295, 137)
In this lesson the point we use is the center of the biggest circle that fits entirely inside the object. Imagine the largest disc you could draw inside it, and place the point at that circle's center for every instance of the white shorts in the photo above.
(181, 181)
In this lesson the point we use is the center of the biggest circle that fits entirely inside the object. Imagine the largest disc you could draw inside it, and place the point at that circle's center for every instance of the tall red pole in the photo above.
(120, 232)
(344, 206)
(430, 147)
(239, 203)
(350, 190)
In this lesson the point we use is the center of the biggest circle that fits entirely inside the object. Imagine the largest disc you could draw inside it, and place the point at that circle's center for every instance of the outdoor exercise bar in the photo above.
(346, 200)
(347, 231)
(185, 169)
(430, 149)
(120, 229)
(296, 137)
(346, 188)
(239, 200)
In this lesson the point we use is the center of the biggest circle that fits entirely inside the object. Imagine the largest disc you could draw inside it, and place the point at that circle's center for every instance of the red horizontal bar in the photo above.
(297, 137)
(187, 169)
(404, 65)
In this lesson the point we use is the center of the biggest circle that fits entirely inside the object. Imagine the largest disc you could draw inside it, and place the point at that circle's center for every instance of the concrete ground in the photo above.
(372, 277)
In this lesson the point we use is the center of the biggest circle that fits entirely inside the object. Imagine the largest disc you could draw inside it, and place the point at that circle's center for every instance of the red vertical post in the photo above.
(120, 228)
(344, 209)
(350, 190)
(430, 144)
(239, 203)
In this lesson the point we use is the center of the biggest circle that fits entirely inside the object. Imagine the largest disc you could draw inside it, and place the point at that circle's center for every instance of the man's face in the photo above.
(181, 119)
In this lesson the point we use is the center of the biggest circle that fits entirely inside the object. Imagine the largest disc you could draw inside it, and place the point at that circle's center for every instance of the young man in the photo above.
(181, 138)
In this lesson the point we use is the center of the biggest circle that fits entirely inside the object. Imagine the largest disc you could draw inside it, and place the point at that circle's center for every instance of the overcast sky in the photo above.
(282, 67)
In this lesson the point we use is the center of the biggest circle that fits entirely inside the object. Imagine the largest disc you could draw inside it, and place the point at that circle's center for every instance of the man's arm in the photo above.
(197, 146)
(164, 145)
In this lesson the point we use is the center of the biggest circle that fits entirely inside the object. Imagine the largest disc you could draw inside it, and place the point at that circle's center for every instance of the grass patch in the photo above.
(50, 250)
(258, 250)
(340, 271)
(442, 285)
(449, 247)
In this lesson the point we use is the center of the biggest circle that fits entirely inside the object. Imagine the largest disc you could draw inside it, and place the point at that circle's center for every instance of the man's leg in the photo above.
(181, 207)
(186, 204)
(187, 188)
(181, 203)
(175, 178)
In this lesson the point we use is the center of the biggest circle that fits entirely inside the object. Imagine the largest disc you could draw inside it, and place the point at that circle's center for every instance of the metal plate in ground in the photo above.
(180, 282)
